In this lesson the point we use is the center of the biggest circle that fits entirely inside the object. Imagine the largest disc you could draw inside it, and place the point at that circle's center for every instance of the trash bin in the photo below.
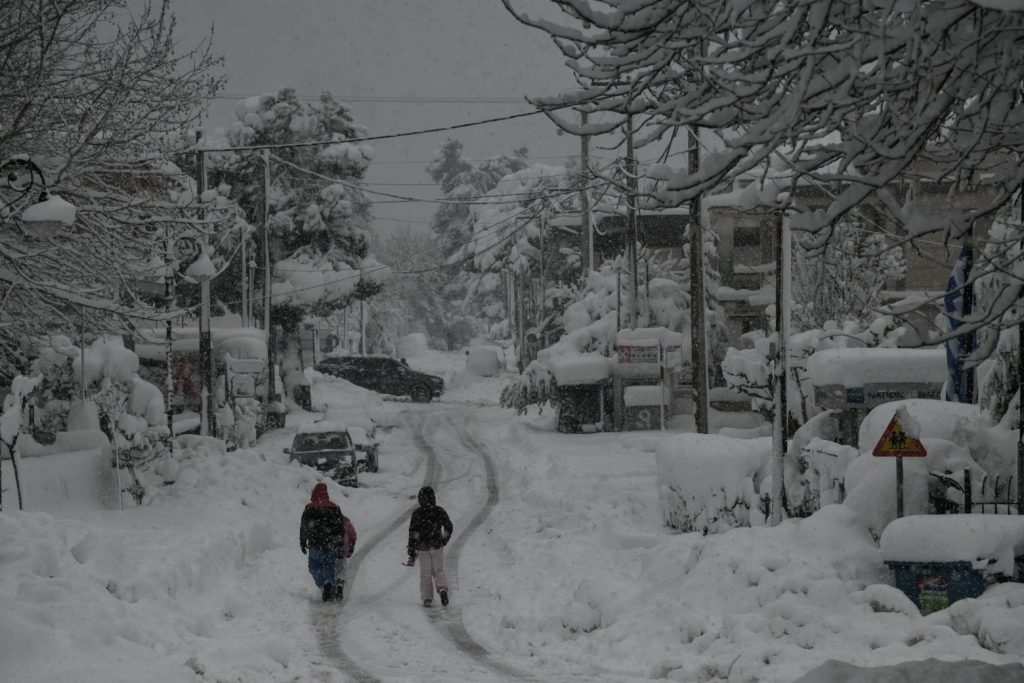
(934, 586)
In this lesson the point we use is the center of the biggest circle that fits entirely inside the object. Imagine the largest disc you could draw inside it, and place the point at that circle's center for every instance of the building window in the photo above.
(744, 237)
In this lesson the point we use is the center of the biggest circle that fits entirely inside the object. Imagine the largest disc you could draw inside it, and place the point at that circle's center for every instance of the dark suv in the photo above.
(385, 375)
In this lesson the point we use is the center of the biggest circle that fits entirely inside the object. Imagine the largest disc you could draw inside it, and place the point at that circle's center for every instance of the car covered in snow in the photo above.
(385, 375)
(327, 447)
(367, 449)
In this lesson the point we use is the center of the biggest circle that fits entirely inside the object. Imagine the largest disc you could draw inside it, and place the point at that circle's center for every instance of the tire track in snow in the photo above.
(449, 619)
(325, 618)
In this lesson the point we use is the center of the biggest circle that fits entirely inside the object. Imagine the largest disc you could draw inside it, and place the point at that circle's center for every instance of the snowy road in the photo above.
(374, 635)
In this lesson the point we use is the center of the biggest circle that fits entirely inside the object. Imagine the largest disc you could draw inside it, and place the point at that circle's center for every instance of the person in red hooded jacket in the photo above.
(329, 538)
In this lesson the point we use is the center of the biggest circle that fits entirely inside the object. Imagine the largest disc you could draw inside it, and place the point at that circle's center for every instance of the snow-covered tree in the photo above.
(318, 217)
(848, 97)
(843, 280)
(412, 301)
(463, 182)
(97, 94)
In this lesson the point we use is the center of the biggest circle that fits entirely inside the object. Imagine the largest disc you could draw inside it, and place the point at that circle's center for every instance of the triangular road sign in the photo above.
(895, 443)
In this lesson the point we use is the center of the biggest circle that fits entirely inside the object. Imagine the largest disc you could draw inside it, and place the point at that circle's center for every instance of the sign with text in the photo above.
(646, 353)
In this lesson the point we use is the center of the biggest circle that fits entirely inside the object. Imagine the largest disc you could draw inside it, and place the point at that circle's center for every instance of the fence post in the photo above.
(968, 497)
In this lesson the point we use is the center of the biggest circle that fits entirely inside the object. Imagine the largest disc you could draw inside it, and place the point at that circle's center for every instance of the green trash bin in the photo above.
(934, 586)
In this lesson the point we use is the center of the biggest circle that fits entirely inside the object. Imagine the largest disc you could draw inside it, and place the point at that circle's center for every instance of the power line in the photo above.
(370, 138)
(394, 99)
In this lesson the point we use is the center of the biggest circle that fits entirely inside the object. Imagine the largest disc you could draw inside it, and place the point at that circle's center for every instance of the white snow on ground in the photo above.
(573, 571)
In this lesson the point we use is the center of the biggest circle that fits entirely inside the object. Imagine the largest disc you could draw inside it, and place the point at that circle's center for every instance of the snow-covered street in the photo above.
(560, 567)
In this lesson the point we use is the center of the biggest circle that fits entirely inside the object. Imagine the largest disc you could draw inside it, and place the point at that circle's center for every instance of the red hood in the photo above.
(320, 499)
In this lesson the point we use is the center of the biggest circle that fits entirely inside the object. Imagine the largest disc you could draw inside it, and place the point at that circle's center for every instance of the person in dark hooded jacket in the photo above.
(328, 536)
(429, 531)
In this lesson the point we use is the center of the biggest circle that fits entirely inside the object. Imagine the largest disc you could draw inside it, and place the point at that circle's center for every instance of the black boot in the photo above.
(327, 591)
(444, 597)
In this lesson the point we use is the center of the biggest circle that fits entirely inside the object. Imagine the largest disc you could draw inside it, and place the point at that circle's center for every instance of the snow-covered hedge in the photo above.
(709, 483)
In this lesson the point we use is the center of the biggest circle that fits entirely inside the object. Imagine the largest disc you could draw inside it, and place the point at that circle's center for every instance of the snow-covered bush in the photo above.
(751, 370)
(709, 483)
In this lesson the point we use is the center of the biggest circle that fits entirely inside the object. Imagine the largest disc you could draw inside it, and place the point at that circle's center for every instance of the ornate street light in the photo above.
(50, 214)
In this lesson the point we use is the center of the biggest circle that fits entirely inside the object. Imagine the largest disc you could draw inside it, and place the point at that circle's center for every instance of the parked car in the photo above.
(327, 447)
(384, 375)
(366, 449)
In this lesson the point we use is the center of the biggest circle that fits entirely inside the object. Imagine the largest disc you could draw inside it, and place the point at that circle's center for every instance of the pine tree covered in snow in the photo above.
(455, 225)
(319, 217)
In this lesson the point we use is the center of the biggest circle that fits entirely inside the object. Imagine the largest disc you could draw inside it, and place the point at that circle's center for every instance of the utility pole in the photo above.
(586, 226)
(169, 329)
(362, 327)
(781, 371)
(245, 277)
(698, 337)
(543, 282)
(206, 421)
(1020, 395)
(631, 217)
(267, 326)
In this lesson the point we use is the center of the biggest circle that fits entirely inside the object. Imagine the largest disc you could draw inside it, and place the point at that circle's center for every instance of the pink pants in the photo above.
(431, 572)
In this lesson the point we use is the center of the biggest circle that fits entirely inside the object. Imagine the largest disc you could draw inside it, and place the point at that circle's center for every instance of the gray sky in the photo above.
(467, 49)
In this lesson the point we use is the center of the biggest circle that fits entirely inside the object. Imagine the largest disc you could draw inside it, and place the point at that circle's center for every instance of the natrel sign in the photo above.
(896, 443)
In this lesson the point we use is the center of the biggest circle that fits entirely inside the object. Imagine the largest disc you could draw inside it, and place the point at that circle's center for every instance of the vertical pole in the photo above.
(899, 487)
(1020, 395)
(586, 226)
(781, 358)
(362, 327)
(344, 329)
(205, 356)
(698, 337)
(169, 331)
(968, 307)
(969, 494)
(543, 281)
(245, 277)
(268, 327)
(631, 217)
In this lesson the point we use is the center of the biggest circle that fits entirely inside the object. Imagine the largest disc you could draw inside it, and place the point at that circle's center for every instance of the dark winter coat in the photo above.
(430, 526)
(323, 525)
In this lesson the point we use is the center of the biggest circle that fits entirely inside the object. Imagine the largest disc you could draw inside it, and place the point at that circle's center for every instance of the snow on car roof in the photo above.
(359, 436)
(322, 426)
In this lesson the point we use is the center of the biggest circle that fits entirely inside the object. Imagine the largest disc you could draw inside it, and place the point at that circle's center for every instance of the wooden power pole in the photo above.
(698, 336)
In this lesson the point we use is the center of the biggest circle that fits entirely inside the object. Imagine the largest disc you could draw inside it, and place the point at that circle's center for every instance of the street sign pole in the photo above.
(896, 443)
(899, 486)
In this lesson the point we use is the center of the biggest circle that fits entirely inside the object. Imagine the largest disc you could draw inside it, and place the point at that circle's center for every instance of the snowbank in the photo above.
(412, 345)
(988, 542)
(583, 368)
(855, 367)
(706, 482)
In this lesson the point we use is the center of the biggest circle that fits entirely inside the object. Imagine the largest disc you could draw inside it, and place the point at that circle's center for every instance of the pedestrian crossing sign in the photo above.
(896, 443)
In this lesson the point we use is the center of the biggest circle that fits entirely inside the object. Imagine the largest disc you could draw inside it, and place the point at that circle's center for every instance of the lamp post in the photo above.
(50, 213)
(47, 216)
(202, 271)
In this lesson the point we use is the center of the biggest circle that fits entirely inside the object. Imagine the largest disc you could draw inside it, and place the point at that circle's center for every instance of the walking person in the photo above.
(326, 534)
(429, 531)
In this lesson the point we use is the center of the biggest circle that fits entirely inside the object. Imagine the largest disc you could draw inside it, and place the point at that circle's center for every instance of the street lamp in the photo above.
(202, 271)
(50, 214)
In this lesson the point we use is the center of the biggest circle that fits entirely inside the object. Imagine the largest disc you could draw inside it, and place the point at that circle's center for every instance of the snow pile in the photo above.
(988, 542)
(857, 367)
(583, 368)
(412, 345)
(709, 483)
(871, 481)
(306, 279)
(484, 361)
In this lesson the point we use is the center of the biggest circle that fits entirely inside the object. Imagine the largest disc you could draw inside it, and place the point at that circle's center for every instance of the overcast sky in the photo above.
(471, 50)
